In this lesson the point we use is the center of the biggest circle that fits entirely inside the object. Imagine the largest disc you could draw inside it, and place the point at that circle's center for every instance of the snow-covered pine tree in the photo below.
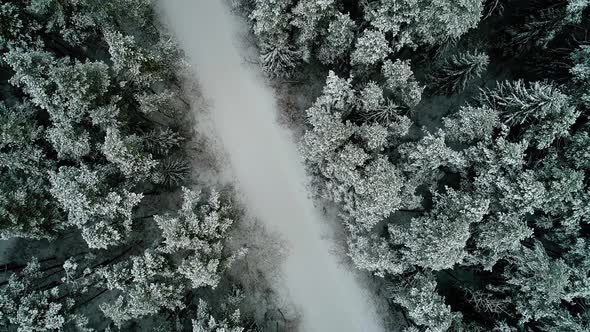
(104, 214)
(338, 43)
(31, 302)
(310, 18)
(370, 49)
(146, 285)
(205, 322)
(24, 209)
(400, 80)
(367, 185)
(542, 111)
(417, 295)
(454, 74)
(414, 23)
(196, 235)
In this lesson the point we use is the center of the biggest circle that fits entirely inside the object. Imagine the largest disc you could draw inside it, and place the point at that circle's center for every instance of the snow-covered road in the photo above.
(268, 171)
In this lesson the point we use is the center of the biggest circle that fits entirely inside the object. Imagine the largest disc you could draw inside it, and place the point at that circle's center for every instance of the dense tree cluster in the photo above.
(362, 33)
(478, 221)
(452, 135)
(91, 109)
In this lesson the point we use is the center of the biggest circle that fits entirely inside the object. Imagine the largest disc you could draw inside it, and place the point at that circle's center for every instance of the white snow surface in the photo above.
(267, 168)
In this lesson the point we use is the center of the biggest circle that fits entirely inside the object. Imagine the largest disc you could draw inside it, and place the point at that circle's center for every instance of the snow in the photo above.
(267, 168)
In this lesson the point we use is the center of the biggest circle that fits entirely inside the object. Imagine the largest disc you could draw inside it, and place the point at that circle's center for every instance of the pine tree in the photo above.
(162, 141)
(540, 283)
(138, 65)
(67, 90)
(471, 124)
(543, 112)
(538, 30)
(103, 214)
(575, 9)
(15, 31)
(438, 240)
(279, 60)
(162, 102)
(271, 25)
(29, 304)
(270, 19)
(146, 285)
(418, 297)
(128, 155)
(388, 114)
(400, 80)
(338, 43)
(368, 186)
(24, 208)
(371, 97)
(581, 72)
(498, 237)
(172, 171)
(565, 197)
(415, 23)
(128, 57)
(199, 230)
(453, 75)
(205, 322)
(370, 48)
(76, 22)
(337, 94)
(310, 18)
(425, 158)
(578, 150)
(376, 255)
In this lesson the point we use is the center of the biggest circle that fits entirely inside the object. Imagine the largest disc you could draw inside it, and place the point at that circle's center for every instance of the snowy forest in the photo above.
(446, 145)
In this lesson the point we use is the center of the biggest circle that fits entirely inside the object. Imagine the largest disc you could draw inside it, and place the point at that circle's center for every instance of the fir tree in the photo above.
(338, 42)
(370, 48)
(542, 110)
(453, 75)
(400, 80)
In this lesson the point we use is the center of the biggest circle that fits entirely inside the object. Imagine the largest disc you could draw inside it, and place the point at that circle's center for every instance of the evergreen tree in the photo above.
(452, 76)
(581, 72)
(417, 296)
(471, 124)
(438, 240)
(338, 43)
(30, 303)
(205, 322)
(542, 110)
(128, 155)
(400, 80)
(104, 214)
(279, 60)
(367, 186)
(376, 255)
(310, 19)
(198, 233)
(370, 48)
(414, 23)
(24, 209)
(146, 284)
(271, 25)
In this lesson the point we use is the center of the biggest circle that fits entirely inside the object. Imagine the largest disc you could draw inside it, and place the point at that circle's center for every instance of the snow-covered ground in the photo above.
(267, 169)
